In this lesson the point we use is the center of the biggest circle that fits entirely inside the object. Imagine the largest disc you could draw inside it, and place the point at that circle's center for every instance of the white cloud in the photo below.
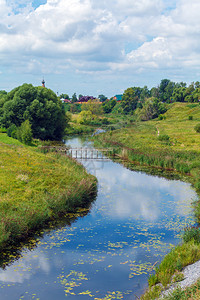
(92, 36)
(22, 269)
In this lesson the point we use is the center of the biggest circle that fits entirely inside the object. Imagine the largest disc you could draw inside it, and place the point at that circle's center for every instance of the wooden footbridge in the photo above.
(89, 153)
(81, 153)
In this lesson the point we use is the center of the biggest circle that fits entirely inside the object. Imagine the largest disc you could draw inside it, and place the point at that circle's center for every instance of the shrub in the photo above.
(163, 137)
(105, 121)
(3, 130)
(24, 133)
(190, 118)
(197, 128)
(11, 131)
(192, 233)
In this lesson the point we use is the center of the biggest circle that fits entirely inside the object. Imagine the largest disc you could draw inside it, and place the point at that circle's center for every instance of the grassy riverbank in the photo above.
(36, 188)
(171, 144)
(167, 145)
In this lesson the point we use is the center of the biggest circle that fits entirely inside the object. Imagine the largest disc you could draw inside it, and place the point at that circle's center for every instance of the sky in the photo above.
(94, 47)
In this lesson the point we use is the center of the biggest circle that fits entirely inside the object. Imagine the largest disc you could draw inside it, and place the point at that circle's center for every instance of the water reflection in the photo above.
(109, 253)
(143, 195)
(23, 270)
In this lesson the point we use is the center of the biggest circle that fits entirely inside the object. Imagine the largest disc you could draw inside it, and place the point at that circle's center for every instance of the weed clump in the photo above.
(197, 128)
(163, 137)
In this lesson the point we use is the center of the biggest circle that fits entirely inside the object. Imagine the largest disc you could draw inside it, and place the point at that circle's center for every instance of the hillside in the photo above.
(179, 128)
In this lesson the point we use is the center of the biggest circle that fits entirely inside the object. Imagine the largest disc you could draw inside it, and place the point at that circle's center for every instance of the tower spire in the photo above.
(43, 83)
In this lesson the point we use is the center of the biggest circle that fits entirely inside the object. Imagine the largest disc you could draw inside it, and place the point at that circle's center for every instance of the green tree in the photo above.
(152, 108)
(102, 98)
(145, 93)
(94, 106)
(2, 93)
(196, 95)
(179, 93)
(154, 92)
(85, 117)
(166, 90)
(108, 105)
(75, 108)
(74, 98)
(40, 106)
(129, 101)
(64, 96)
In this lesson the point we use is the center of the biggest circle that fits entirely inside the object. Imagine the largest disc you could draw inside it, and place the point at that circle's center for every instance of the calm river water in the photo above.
(109, 253)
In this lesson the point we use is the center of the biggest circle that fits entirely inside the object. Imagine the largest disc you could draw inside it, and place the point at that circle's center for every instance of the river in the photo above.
(108, 253)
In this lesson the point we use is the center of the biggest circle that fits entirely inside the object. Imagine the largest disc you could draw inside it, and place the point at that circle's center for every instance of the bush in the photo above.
(3, 130)
(105, 121)
(190, 118)
(24, 133)
(163, 137)
(12, 131)
(197, 128)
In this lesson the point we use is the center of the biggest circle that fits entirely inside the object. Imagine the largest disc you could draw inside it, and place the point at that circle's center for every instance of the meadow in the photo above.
(36, 188)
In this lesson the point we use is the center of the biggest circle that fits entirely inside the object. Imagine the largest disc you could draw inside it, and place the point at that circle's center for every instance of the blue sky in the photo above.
(98, 47)
(37, 3)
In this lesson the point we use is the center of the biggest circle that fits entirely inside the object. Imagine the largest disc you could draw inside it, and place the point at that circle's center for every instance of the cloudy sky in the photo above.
(94, 47)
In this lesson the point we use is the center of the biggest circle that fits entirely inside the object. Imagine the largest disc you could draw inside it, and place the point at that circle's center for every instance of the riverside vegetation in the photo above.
(169, 145)
(37, 188)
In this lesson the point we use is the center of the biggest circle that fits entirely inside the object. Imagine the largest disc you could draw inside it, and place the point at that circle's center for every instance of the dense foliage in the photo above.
(108, 106)
(40, 106)
(151, 101)
(129, 100)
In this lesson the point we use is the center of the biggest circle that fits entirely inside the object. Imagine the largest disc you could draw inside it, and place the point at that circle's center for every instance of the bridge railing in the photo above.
(89, 153)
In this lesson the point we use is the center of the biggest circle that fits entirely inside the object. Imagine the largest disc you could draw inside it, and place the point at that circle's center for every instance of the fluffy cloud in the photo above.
(92, 36)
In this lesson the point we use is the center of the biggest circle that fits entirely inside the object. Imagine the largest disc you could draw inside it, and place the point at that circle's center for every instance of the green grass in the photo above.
(36, 188)
(8, 140)
(168, 145)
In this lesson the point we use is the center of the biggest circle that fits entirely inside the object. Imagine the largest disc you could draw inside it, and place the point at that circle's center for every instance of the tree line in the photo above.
(151, 103)
(37, 112)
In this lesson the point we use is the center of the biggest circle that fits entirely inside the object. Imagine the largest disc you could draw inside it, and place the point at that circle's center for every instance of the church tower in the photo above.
(43, 83)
